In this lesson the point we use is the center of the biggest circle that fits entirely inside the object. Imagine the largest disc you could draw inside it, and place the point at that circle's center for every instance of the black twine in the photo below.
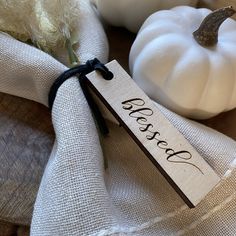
(81, 71)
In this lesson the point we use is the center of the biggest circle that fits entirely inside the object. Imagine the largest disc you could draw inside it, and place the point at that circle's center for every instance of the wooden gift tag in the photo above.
(188, 173)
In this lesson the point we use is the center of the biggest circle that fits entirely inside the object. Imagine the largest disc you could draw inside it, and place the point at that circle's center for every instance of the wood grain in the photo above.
(26, 138)
(188, 173)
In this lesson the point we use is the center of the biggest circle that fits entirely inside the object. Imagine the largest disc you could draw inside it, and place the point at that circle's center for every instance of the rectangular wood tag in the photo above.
(188, 173)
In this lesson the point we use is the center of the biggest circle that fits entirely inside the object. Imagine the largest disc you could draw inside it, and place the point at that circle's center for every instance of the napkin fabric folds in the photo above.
(77, 196)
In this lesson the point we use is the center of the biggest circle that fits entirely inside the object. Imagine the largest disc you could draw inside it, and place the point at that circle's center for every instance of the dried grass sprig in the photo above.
(49, 24)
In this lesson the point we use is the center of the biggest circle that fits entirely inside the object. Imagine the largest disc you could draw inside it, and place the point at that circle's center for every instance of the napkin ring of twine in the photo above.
(81, 71)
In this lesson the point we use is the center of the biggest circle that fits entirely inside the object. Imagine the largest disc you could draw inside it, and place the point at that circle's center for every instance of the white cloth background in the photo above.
(76, 195)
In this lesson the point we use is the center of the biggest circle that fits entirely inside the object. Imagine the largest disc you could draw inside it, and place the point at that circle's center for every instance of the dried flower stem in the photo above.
(71, 53)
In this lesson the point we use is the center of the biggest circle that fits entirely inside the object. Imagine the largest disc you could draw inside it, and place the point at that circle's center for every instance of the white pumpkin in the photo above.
(175, 70)
(132, 13)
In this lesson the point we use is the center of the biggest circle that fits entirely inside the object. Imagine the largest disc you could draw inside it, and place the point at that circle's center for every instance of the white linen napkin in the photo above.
(76, 195)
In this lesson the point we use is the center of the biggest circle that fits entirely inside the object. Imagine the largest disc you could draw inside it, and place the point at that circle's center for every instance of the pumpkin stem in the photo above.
(207, 34)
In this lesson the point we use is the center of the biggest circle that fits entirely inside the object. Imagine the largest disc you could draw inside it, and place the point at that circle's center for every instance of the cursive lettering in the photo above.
(138, 111)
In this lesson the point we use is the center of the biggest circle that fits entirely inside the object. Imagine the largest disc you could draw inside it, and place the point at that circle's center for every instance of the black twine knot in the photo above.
(95, 64)
(81, 71)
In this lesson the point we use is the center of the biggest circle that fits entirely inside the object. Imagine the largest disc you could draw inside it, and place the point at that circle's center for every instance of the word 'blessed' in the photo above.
(141, 116)
(182, 166)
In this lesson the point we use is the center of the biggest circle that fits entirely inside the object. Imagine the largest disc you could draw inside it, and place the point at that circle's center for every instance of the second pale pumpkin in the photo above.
(132, 13)
(191, 74)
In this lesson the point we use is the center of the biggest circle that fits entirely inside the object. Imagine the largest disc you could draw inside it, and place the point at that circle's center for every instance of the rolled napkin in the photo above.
(77, 197)
(25, 146)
